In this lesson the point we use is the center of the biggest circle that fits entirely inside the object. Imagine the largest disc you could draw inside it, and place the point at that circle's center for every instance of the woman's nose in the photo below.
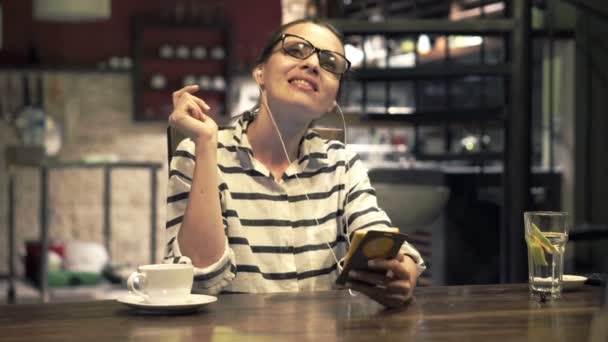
(311, 64)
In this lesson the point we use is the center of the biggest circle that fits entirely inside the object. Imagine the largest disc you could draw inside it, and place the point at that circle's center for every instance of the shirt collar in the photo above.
(313, 149)
(244, 152)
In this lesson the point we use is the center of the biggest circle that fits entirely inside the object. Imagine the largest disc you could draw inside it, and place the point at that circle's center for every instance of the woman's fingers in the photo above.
(185, 91)
(403, 287)
(387, 299)
(367, 290)
(183, 100)
(202, 104)
(394, 265)
(370, 277)
(192, 105)
(194, 110)
(191, 89)
(399, 286)
(391, 285)
(187, 116)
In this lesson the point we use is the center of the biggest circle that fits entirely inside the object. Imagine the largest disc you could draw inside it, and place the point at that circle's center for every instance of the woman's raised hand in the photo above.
(190, 116)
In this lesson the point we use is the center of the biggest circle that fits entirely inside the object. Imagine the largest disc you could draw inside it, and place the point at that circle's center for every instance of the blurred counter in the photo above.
(458, 208)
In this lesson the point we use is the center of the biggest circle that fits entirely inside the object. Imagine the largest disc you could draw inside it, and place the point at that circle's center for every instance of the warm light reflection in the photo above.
(457, 42)
(469, 142)
(353, 54)
(401, 110)
(424, 44)
(407, 45)
(457, 13)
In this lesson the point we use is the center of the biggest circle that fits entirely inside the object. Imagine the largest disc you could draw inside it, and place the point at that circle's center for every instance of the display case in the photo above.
(169, 55)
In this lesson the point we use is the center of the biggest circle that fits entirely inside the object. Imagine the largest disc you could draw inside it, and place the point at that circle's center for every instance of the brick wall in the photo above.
(98, 111)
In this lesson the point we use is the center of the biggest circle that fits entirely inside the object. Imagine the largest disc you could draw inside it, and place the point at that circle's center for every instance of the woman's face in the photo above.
(301, 85)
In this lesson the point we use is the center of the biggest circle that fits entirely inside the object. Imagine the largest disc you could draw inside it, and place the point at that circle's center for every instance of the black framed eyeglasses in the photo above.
(300, 48)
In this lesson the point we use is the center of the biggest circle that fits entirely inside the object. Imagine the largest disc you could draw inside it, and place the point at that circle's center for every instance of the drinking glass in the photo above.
(546, 236)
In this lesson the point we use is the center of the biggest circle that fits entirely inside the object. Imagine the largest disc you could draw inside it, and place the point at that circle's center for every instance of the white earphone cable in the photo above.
(300, 182)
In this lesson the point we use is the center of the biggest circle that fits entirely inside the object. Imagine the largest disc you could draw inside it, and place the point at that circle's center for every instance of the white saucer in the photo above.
(190, 304)
(571, 282)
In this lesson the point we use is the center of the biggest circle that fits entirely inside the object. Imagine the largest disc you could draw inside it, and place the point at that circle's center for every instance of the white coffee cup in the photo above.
(162, 283)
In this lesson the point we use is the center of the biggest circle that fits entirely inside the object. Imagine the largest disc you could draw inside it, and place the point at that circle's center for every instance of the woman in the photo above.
(288, 199)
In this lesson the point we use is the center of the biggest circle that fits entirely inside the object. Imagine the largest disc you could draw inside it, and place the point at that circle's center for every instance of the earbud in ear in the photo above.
(333, 105)
(258, 73)
(257, 77)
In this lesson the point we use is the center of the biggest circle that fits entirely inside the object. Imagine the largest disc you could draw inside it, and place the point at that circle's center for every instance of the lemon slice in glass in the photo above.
(542, 240)
(536, 251)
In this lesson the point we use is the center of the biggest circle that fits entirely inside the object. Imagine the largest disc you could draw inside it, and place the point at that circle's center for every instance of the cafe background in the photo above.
(433, 113)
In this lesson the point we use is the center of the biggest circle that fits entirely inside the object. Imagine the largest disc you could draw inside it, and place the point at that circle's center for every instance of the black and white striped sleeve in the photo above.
(361, 206)
(211, 279)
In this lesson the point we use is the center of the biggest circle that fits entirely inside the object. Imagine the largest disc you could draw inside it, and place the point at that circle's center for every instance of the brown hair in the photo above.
(276, 35)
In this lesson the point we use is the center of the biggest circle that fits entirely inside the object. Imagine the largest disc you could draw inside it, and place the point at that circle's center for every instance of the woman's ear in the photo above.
(258, 75)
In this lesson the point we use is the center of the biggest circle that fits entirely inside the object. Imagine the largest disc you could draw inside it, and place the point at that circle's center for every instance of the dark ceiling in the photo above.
(365, 9)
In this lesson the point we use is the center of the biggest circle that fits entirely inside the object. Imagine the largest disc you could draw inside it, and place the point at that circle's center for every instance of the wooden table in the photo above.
(455, 313)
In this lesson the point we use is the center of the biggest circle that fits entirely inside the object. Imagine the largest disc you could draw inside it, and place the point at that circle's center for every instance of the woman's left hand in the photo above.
(391, 289)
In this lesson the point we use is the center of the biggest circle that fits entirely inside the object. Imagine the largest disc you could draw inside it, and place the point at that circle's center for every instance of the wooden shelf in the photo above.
(425, 72)
(472, 157)
(62, 68)
(414, 26)
(430, 117)
(149, 35)
(170, 89)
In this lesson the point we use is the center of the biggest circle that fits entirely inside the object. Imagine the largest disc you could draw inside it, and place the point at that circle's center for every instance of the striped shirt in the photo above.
(280, 234)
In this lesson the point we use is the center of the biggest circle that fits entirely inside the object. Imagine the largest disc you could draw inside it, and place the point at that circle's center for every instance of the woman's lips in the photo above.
(304, 84)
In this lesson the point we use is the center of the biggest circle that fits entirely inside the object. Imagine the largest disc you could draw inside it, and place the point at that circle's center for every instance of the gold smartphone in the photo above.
(370, 244)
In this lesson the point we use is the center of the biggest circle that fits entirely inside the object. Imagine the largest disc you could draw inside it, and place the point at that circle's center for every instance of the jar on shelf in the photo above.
(218, 53)
(199, 52)
(114, 62)
(126, 63)
(166, 51)
(189, 80)
(158, 81)
(204, 82)
(219, 83)
(182, 52)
